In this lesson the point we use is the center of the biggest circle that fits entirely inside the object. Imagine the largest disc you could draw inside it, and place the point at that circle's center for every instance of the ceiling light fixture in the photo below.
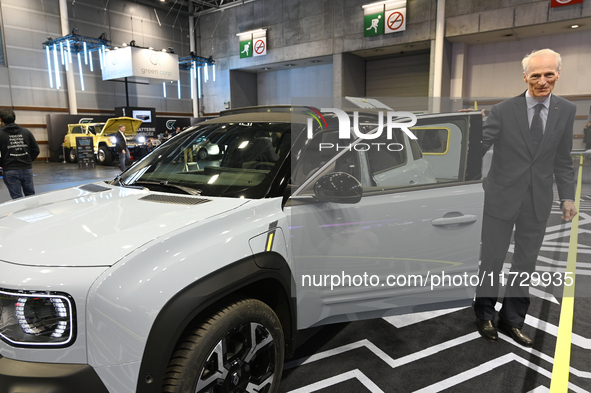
(252, 32)
(382, 3)
(574, 26)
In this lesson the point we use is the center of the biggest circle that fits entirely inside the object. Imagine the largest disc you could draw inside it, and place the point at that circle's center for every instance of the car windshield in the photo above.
(219, 159)
(96, 129)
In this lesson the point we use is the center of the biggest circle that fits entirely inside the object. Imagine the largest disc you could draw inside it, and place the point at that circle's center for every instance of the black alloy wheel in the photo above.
(239, 349)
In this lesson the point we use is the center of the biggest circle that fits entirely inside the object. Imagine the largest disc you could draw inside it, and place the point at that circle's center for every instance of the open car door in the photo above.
(410, 243)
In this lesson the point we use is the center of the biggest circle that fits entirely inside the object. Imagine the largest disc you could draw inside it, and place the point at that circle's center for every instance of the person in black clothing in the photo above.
(121, 147)
(18, 149)
(587, 135)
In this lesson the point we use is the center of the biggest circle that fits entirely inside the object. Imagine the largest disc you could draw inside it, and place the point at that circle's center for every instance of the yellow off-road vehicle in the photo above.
(103, 135)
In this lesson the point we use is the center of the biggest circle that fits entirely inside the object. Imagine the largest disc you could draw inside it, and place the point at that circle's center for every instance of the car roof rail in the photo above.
(268, 109)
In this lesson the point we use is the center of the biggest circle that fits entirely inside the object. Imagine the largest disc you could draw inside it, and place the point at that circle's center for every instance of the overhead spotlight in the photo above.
(132, 43)
(124, 45)
(170, 49)
(49, 38)
(103, 37)
(192, 54)
(574, 26)
(75, 31)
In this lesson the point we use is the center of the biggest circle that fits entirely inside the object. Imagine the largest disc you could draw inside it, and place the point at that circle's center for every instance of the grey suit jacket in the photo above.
(514, 165)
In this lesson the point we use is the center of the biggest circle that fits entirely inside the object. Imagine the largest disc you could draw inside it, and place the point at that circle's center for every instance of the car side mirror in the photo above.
(338, 187)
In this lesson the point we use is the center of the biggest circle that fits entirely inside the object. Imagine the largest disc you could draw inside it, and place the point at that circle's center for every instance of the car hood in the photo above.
(112, 125)
(96, 224)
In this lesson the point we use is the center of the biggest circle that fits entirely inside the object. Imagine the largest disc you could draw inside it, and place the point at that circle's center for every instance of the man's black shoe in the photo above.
(487, 330)
(516, 334)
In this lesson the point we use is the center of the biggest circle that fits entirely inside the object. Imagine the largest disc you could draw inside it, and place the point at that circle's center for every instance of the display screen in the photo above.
(143, 115)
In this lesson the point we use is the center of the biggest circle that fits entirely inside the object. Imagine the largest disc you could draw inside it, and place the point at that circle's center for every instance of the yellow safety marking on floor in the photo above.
(560, 369)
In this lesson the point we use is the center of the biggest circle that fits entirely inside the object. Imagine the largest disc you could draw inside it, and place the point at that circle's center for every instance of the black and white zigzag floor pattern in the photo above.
(442, 351)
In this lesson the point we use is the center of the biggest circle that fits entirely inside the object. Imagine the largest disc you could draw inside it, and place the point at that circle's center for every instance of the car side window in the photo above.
(437, 156)
(432, 139)
(443, 147)
(384, 155)
(77, 130)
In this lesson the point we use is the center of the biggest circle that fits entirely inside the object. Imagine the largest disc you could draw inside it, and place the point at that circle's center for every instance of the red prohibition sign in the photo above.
(259, 46)
(398, 20)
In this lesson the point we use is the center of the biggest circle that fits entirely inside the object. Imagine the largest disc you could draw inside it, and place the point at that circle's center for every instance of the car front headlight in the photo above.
(113, 140)
(37, 319)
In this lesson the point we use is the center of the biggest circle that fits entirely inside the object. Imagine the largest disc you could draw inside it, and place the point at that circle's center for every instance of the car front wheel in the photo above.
(239, 349)
(202, 154)
(71, 155)
(104, 156)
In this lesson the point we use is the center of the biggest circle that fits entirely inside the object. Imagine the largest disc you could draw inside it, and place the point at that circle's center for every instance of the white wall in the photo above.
(494, 70)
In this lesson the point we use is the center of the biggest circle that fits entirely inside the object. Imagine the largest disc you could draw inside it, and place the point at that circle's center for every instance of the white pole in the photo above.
(70, 84)
(192, 48)
(438, 65)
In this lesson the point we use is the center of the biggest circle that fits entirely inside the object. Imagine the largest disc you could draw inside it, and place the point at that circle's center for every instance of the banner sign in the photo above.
(117, 64)
(560, 3)
(130, 61)
(155, 65)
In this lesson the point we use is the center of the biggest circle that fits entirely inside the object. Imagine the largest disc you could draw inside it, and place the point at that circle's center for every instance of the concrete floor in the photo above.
(50, 176)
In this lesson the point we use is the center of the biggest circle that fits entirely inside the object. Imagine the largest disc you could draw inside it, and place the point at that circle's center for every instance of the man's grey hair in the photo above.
(121, 125)
(542, 52)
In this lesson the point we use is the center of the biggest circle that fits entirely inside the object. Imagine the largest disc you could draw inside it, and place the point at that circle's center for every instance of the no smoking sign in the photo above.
(395, 21)
(260, 46)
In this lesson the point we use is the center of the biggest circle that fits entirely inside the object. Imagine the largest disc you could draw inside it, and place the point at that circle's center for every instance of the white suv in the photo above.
(241, 250)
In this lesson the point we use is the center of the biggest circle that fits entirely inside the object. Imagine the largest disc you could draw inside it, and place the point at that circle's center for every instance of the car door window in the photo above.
(439, 155)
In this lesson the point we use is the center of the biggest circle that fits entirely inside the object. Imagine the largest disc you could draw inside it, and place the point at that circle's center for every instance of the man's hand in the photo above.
(569, 211)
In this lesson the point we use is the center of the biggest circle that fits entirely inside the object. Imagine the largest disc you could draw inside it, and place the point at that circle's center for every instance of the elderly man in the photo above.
(121, 147)
(532, 137)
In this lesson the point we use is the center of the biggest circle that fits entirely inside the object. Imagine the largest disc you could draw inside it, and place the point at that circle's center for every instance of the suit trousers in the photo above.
(496, 238)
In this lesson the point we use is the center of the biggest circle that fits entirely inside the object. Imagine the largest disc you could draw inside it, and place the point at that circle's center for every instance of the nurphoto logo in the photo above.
(393, 121)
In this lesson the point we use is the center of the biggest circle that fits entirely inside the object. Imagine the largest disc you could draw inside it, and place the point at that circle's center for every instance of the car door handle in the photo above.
(454, 218)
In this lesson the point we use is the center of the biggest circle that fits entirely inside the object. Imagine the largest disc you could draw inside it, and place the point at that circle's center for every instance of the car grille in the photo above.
(174, 200)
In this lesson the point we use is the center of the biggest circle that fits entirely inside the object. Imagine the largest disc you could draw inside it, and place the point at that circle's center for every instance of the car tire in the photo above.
(202, 154)
(70, 155)
(240, 346)
(104, 156)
